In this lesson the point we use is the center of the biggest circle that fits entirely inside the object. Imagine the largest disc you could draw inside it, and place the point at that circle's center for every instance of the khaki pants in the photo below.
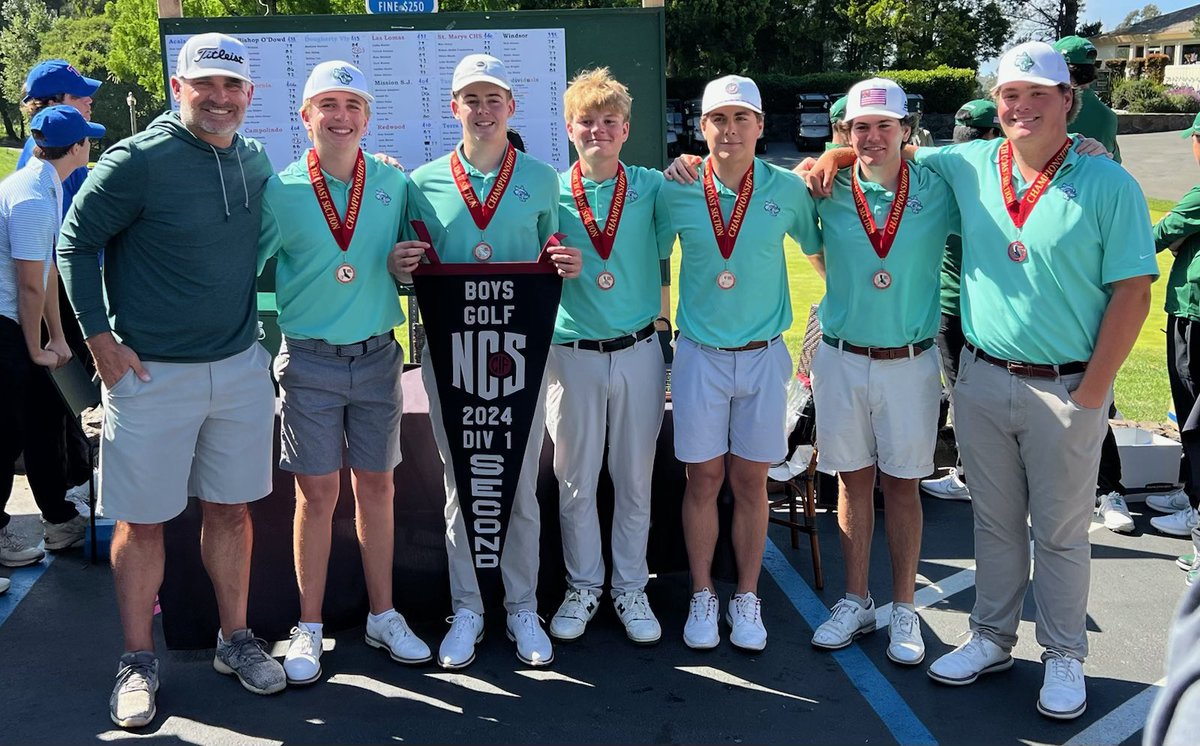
(1030, 453)
(591, 395)
(519, 558)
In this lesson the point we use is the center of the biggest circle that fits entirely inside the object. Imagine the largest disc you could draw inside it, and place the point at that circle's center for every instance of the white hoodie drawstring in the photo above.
(221, 177)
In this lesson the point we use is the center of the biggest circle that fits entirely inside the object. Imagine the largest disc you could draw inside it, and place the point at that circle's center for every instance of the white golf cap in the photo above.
(337, 75)
(1033, 62)
(731, 90)
(479, 68)
(878, 97)
(213, 54)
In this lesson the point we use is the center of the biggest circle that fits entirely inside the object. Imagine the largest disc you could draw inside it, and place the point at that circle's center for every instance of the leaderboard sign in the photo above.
(402, 6)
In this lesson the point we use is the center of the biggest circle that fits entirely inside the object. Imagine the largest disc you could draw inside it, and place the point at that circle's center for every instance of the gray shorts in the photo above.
(200, 429)
(730, 402)
(333, 402)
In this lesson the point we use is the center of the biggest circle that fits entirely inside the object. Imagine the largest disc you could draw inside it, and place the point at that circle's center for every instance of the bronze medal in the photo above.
(726, 280)
(605, 280)
(882, 279)
(344, 273)
(1017, 251)
(482, 251)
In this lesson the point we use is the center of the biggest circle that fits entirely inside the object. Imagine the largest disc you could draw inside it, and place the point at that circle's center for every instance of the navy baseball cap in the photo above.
(60, 126)
(52, 77)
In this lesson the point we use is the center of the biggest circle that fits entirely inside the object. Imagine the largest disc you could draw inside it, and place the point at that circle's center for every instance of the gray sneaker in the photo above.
(245, 656)
(61, 536)
(132, 702)
(15, 552)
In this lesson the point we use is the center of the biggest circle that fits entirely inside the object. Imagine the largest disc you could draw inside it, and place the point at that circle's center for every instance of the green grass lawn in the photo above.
(8, 160)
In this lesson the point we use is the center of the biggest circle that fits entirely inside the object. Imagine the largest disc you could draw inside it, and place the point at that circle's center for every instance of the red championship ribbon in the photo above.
(1019, 210)
(726, 235)
(881, 240)
(601, 240)
(482, 212)
(342, 230)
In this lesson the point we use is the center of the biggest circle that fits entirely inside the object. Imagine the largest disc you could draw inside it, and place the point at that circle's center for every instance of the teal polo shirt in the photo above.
(312, 303)
(853, 309)
(586, 311)
(758, 306)
(1091, 228)
(526, 217)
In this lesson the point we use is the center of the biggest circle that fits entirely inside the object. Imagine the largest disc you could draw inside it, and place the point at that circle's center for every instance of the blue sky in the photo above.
(1112, 11)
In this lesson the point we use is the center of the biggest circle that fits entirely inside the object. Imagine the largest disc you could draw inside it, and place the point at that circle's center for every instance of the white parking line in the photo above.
(1117, 726)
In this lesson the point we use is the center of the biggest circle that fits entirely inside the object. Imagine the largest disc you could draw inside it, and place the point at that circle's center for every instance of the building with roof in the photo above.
(1171, 34)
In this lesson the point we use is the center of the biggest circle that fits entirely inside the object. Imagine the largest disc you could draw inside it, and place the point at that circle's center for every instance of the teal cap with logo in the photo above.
(837, 112)
(1194, 129)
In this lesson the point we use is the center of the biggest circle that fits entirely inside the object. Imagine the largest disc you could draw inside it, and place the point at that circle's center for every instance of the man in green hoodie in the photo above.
(171, 323)
(1094, 118)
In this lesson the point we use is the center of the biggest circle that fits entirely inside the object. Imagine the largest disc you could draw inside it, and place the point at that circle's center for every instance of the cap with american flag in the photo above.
(876, 97)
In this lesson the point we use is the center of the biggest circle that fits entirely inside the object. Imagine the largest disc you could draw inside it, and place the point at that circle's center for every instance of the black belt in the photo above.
(354, 349)
(880, 353)
(757, 344)
(614, 344)
(1028, 370)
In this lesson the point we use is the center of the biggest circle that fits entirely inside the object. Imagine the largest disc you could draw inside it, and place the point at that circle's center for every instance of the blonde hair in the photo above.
(309, 102)
(596, 90)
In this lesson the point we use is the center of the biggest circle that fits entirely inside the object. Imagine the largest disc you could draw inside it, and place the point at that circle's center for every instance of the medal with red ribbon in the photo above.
(1019, 210)
(482, 212)
(881, 240)
(342, 229)
(602, 240)
(726, 234)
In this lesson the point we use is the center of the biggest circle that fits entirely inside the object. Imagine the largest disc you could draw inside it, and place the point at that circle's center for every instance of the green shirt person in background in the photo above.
(975, 120)
(1094, 120)
(1179, 231)
(837, 113)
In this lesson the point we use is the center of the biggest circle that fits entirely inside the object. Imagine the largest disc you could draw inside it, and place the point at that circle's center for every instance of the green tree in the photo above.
(1145, 13)
(715, 37)
(23, 21)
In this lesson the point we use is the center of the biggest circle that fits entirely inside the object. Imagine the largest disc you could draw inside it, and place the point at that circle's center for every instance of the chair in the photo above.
(796, 489)
(80, 392)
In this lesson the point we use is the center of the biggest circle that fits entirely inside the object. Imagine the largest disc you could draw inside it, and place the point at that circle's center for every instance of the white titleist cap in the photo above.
(877, 97)
(213, 54)
(479, 68)
(731, 90)
(1033, 62)
(337, 75)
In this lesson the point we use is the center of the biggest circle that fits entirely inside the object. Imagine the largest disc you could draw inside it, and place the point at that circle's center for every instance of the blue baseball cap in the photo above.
(52, 77)
(60, 126)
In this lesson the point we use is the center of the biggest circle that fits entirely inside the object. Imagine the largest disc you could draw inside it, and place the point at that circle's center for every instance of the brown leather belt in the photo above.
(1028, 370)
(757, 344)
(880, 353)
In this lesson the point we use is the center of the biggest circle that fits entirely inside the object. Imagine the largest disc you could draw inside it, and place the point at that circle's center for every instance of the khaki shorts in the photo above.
(195, 429)
(876, 411)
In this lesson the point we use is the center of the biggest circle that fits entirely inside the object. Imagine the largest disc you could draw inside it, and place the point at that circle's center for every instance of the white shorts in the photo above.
(876, 411)
(198, 429)
(730, 402)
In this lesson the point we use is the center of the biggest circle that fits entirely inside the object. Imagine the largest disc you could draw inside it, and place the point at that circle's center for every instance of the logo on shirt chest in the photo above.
(383, 197)
(631, 195)
(771, 207)
(521, 193)
(914, 205)
(1068, 191)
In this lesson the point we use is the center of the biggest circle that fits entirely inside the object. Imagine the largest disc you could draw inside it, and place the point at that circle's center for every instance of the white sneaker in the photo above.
(948, 487)
(16, 553)
(744, 615)
(641, 626)
(847, 622)
(1169, 502)
(458, 646)
(533, 646)
(393, 635)
(578, 608)
(1115, 512)
(59, 536)
(4, 584)
(700, 630)
(905, 645)
(302, 664)
(969, 661)
(1064, 692)
(1179, 523)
